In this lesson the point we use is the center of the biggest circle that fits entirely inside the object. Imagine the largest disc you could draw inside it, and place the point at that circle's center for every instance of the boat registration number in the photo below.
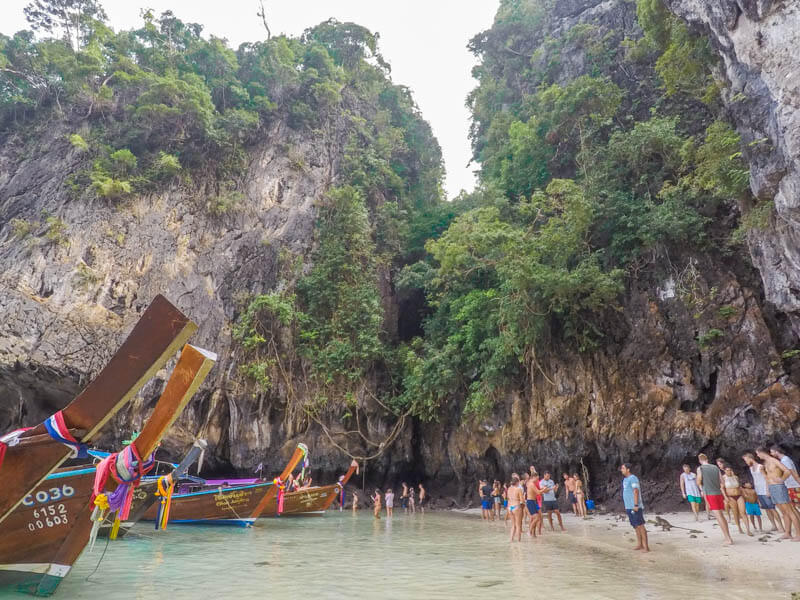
(52, 495)
(49, 516)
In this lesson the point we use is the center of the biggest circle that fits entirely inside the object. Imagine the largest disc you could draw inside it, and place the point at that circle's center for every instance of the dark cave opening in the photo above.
(412, 311)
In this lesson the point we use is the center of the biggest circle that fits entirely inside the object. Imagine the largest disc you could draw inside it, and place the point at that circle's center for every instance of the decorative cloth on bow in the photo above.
(127, 469)
(281, 492)
(165, 486)
(58, 430)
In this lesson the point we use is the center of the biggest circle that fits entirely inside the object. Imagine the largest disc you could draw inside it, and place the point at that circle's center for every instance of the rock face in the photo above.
(758, 41)
(698, 361)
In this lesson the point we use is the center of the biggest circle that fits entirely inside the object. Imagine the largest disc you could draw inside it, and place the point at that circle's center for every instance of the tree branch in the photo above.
(263, 15)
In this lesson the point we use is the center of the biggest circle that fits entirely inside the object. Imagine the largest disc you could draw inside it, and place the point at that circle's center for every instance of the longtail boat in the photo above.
(309, 501)
(157, 491)
(28, 456)
(43, 537)
(235, 505)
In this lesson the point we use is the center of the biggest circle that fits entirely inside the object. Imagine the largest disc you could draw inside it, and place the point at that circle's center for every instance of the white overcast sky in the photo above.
(424, 40)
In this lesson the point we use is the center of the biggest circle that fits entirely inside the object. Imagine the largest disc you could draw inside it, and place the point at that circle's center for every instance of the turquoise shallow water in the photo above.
(431, 556)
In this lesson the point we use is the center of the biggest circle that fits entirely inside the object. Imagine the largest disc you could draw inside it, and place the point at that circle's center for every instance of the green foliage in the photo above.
(340, 293)
(757, 218)
(726, 311)
(21, 228)
(685, 60)
(56, 231)
(78, 143)
(704, 340)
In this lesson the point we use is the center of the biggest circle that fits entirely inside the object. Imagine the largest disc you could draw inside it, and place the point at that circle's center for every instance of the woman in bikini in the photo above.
(735, 500)
(579, 496)
(515, 508)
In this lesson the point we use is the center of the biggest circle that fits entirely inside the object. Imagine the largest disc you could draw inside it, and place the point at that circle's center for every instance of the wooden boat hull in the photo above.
(311, 501)
(54, 511)
(222, 506)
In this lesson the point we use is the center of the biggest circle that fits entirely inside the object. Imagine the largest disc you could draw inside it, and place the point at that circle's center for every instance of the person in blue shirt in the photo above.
(632, 498)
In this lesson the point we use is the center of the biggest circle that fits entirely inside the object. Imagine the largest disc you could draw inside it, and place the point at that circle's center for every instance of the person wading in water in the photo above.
(534, 492)
(708, 480)
(515, 508)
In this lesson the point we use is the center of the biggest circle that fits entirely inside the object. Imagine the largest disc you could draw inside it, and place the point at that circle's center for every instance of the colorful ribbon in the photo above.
(127, 469)
(281, 492)
(166, 500)
(58, 430)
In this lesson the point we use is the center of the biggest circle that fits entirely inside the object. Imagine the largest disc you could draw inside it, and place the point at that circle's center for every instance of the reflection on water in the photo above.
(341, 555)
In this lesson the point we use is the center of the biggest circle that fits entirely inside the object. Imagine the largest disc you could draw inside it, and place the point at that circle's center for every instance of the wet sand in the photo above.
(694, 548)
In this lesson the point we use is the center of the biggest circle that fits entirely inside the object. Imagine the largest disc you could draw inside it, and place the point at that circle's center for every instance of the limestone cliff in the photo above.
(700, 356)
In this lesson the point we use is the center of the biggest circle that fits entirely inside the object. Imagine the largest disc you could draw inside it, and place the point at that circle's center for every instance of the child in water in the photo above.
(355, 501)
(377, 507)
(751, 505)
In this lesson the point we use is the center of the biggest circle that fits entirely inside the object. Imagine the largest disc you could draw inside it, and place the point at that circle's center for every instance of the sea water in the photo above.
(422, 556)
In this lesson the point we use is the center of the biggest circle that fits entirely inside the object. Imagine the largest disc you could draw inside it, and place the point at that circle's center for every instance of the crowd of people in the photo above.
(774, 488)
(411, 500)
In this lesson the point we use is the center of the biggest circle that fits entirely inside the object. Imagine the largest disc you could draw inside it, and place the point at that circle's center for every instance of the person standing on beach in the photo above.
(389, 502)
(708, 480)
(751, 507)
(569, 490)
(733, 493)
(579, 495)
(760, 485)
(423, 499)
(515, 507)
(533, 492)
(634, 506)
(404, 497)
(793, 482)
(690, 491)
(549, 502)
(485, 493)
(497, 499)
(776, 474)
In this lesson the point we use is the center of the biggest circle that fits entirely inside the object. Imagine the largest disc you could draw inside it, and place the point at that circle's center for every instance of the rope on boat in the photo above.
(233, 510)
(165, 486)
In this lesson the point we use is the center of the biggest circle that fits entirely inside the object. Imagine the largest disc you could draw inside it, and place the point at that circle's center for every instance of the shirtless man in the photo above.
(569, 490)
(760, 485)
(708, 480)
(793, 482)
(777, 473)
(533, 492)
(515, 509)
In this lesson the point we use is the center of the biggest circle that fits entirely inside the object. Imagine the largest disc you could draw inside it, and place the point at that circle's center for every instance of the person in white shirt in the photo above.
(760, 485)
(690, 491)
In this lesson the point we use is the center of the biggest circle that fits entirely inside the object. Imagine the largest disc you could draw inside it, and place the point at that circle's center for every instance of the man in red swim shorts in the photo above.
(708, 480)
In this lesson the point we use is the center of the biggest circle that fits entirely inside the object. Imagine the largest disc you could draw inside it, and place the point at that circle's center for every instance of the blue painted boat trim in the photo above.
(70, 473)
(236, 522)
(217, 491)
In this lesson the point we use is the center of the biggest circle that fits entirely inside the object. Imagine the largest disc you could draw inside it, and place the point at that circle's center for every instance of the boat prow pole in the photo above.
(298, 455)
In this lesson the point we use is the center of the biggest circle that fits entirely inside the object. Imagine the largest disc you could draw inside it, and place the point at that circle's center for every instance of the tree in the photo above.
(73, 18)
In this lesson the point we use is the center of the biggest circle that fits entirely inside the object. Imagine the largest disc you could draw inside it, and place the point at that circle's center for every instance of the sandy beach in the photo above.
(689, 546)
